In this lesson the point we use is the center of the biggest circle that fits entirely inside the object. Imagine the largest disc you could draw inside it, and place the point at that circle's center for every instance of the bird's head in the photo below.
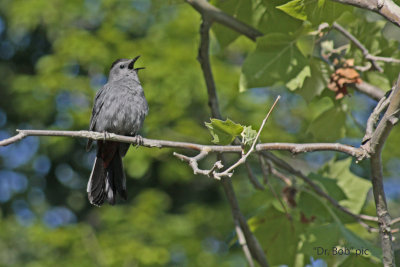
(124, 68)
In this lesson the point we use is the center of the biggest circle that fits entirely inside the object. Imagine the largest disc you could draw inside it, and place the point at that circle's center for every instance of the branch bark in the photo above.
(353, 39)
(369, 89)
(386, 8)
(375, 146)
(291, 147)
(211, 13)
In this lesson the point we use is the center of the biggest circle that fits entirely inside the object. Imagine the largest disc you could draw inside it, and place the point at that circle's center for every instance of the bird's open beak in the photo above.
(132, 63)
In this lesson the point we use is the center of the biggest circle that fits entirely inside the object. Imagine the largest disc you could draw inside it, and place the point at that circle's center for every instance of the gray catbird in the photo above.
(119, 107)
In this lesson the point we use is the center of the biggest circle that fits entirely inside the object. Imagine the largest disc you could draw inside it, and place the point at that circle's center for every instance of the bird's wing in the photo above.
(98, 104)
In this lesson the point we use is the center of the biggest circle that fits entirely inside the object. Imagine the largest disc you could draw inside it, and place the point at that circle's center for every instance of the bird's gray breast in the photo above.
(123, 108)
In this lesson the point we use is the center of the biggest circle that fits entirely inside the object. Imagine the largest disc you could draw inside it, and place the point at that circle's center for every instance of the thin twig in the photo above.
(369, 90)
(365, 68)
(394, 221)
(193, 163)
(243, 243)
(252, 178)
(269, 170)
(364, 50)
(13, 139)
(383, 59)
(267, 182)
(284, 165)
(265, 169)
(353, 39)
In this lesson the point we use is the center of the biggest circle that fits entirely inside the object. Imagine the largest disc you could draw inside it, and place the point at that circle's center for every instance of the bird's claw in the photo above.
(106, 135)
(139, 141)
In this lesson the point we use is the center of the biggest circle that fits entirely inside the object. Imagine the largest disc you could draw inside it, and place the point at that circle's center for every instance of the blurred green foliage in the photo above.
(55, 55)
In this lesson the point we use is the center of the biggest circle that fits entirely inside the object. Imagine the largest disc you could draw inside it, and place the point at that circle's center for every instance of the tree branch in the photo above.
(369, 89)
(204, 61)
(204, 150)
(291, 147)
(15, 138)
(193, 162)
(386, 8)
(375, 146)
(253, 179)
(373, 119)
(211, 13)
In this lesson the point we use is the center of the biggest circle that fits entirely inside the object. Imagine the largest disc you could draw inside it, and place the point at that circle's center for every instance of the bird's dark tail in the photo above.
(107, 177)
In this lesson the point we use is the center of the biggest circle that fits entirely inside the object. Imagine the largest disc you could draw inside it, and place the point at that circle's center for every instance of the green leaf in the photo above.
(327, 46)
(323, 236)
(314, 11)
(297, 82)
(379, 80)
(248, 135)
(321, 11)
(295, 8)
(312, 208)
(305, 44)
(275, 59)
(328, 236)
(354, 187)
(334, 235)
(315, 84)
(354, 241)
(270, 19)
(330, 185)
(224, 132)
(357, 261)
(241, 10)
(329, 126)
(278, 232)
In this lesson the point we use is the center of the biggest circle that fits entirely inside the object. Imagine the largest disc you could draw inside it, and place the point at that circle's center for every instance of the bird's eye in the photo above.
(122, 66)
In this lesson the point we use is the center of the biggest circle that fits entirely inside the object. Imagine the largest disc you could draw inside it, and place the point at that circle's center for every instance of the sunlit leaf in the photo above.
(224, 132)
(295, 8)
(355, 188)
(297, 82)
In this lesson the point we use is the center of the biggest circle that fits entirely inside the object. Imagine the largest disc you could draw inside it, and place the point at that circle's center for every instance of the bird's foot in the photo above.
(139, 140)
(106, 135)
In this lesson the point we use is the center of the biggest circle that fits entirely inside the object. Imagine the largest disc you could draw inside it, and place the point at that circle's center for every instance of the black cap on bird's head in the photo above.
(131, 63)
(123, 67)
